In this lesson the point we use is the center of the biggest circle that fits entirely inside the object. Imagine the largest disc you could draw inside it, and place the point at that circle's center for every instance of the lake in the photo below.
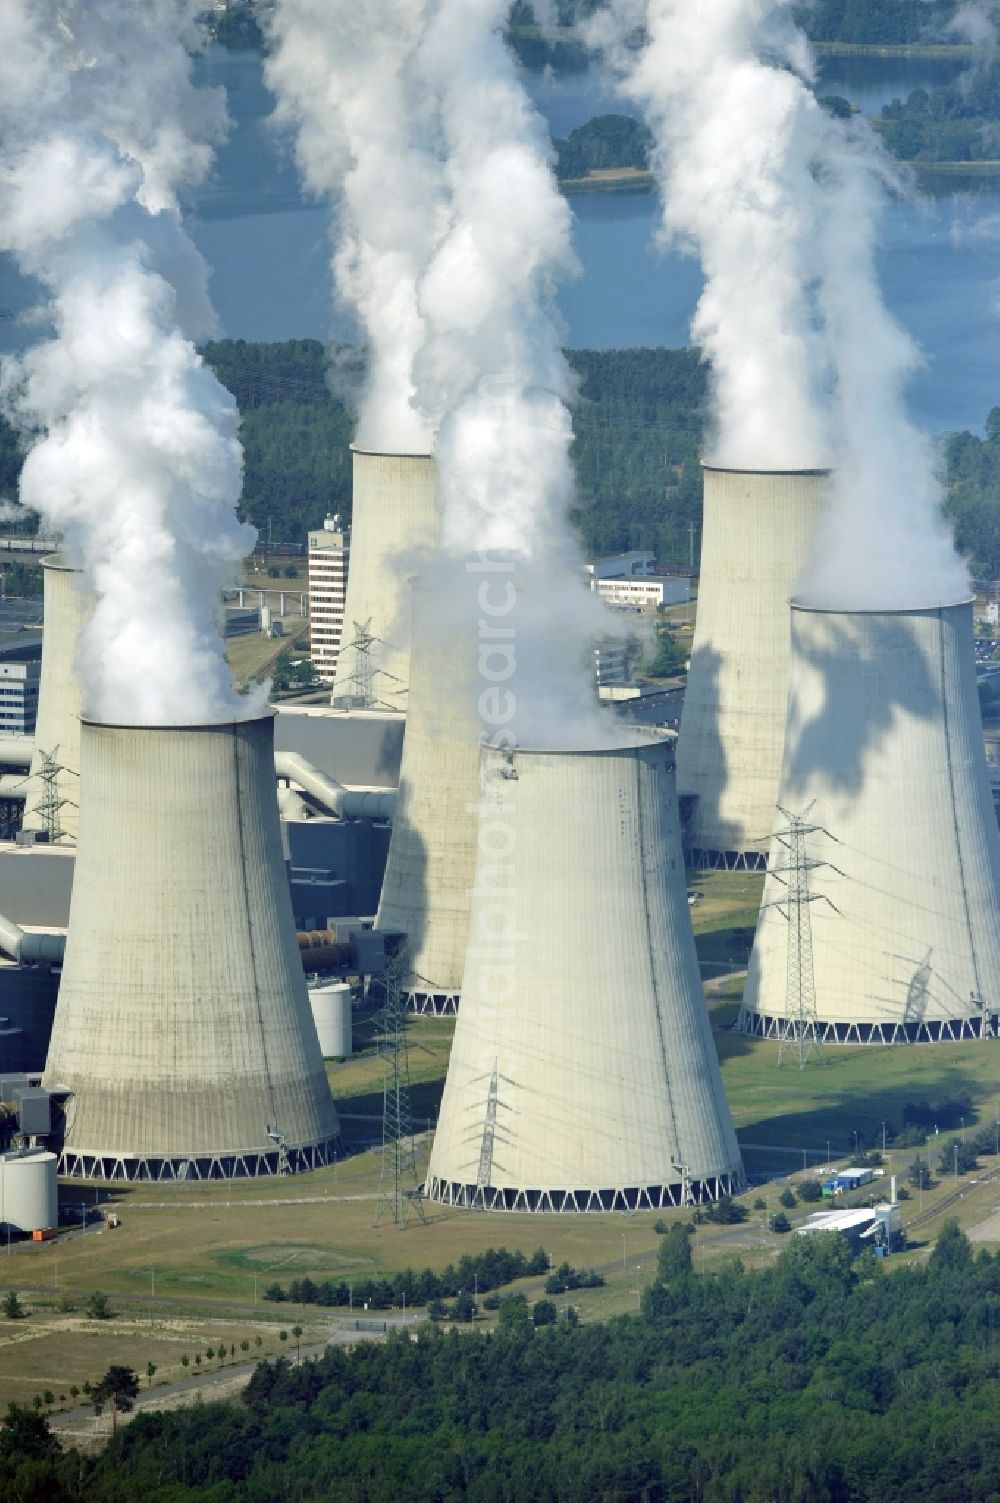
(269, 250)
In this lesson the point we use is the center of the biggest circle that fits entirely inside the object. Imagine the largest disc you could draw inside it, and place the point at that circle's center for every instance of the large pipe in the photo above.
(344, 802)
(15, 751)
(29, 948)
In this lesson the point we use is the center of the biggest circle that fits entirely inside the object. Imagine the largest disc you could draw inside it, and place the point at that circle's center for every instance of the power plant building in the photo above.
(430, 870)
(756, 534)
(184, 1043)
(583, 1074)
(886, 857)
(328, 558)
(394, 516)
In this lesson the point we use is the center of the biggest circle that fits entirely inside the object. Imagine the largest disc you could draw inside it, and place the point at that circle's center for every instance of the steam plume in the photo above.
(342, 75)
(492, 365)
(783, 204)
(135, 459)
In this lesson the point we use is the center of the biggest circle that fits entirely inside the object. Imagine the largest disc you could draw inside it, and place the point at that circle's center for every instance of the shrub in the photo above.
(787, 1198)
(810, 1191)
(780, 1223)
(544, 1313)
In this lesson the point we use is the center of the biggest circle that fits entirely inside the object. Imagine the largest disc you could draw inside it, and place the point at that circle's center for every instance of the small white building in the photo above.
(634, 565)
(329, 557)
(19, 695)
(645, 593)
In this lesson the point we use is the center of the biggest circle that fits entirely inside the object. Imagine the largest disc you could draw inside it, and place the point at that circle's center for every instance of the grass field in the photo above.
(211, 1250)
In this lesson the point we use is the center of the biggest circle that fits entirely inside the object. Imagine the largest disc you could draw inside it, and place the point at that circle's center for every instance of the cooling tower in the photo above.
(431, 865)
(53, 801)
(755, 538)
(885, 768)
(394, 514)
(183, 1029)
(583, 1075)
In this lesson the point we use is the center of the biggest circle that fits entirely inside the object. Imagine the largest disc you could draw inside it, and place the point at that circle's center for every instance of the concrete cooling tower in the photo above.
(53, 797)
(755, 538)
(183, 1031)
(431, 865)
(885, 867)
(583, 1075)
(394, 514)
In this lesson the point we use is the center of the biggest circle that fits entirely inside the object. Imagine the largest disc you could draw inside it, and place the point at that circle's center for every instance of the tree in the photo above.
(119, 1388)
(544, 1313)
(673, 1261)
(787, 1198)
(98, 1306)
(957, 1157)
(810, 1190)
(12, 1307)
(952, 1250)
(185, 1360)
(297, 1333)
(919, 1174)
(514, 1314)
(780, 1223)
(150, 1371)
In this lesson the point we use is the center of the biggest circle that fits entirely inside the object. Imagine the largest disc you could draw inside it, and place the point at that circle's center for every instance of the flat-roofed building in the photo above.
(329, 556)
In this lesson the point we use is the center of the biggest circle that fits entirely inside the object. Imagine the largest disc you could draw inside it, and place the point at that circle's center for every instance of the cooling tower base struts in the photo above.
(433, 1004)
(76, 1164)
(623, 1198)
(934, 1031)
(725, 861)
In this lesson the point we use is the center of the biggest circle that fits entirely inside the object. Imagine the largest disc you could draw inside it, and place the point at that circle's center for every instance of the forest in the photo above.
(638, 418)
(956, 122)
(817, 1380)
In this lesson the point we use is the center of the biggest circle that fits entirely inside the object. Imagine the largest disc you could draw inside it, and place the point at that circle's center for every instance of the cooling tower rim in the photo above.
(59, 563)
(367, 453)
(821, 472)
(630, 748)
(806, 608)
(92, 723)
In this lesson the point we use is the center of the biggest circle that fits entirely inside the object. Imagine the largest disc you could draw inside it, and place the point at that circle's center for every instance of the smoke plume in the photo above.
(135, 458)
(342, 75)
(492, 366)
(783, 205)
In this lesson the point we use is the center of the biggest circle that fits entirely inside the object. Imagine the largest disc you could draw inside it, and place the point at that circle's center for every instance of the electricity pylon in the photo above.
(51, 801)
(491, 1128)
(800, 1032)
(362, 680)
(399, 1183)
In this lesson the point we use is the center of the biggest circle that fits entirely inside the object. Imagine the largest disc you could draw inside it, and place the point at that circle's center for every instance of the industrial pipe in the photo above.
(29, 948)
(344, 802)
(321, 950)
(15, 751)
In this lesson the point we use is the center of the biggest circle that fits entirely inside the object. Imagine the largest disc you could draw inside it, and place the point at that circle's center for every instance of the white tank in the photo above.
(394, 515)
(29, 1199)
(755, 539)
(183, 1029)
(60, 698)
(583, 1074)
(884, 755)
(430, 870)
(331, 1010)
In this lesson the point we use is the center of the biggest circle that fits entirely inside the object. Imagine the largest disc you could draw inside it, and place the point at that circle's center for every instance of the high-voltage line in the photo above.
(399, 1184)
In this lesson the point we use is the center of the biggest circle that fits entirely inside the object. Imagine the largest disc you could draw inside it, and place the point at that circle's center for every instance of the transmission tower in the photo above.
(398, 1183)
(491, 1128)
(362, 680)
(51, 800)
(800, 1032)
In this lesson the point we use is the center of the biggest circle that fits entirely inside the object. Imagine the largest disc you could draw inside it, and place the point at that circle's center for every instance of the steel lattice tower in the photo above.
(399, 1182)
(800, 1032)
(50, 801)
(491, 1127)
(362, 680)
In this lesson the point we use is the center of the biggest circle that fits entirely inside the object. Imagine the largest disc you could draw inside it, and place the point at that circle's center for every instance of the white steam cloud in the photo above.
(783, 204)
(342, 75)
(723, 91)
(492, 365)
(136, 459)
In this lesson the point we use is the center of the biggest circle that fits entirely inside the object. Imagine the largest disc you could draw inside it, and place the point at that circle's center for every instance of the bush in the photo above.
(810, 1191)
(787, 1198)
(760, 1204)
(98, 1306)
(919, 1175)
(544, 1313)
(958, 1156)
(725, 1212)
(12, 1307)
(780, 1223)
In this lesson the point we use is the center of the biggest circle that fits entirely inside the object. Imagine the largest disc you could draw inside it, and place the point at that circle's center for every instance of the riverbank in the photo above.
(931, 52)
(610, 180)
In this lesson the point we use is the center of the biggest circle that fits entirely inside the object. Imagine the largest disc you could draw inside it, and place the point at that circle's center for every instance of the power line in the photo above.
(399, 1184)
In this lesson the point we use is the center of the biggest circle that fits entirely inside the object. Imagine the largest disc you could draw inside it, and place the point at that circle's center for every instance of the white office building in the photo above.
(329, 556)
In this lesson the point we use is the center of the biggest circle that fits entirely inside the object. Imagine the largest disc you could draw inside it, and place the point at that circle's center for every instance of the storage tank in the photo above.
(183, 1031)
(60, 700)
(331, 1010)
(885, 765)
(394, 515)
(583, 1074)
(430, 870)
(755, 538)
(29, 1199)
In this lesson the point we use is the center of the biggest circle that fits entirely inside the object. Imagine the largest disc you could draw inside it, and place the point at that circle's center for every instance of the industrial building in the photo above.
(184, 1044)
(328, 559)
(755, 540)
(884, 870)
(431, 864)
(583, 1074)
(19, 679)
(879, 1227)
(394, 517)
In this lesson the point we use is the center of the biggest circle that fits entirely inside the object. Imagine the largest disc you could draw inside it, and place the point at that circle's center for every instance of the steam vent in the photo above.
(431, 865)
(60, 705)
(394, 514)
(757, 530)
(183, 1031)
(583, 1075)
(885, 769)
